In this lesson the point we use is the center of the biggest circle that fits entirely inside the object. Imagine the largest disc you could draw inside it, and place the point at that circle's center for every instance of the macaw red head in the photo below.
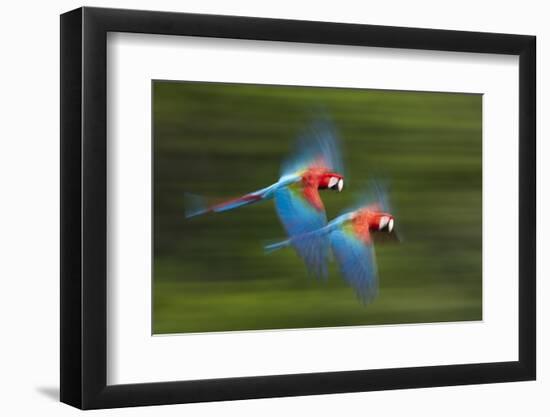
(332, 181)
(372, 219)
(381, 222)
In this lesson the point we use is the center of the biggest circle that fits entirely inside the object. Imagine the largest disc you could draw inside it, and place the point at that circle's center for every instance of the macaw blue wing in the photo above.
(374, 196)
(300, 217)
(379, 193)
(319, 145)
(357, 262)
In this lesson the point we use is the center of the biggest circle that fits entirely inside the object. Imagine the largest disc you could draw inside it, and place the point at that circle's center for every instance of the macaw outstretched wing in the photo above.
(318, 146)
(299, 217)
(374, 196)
(357, 262)
(299, 205)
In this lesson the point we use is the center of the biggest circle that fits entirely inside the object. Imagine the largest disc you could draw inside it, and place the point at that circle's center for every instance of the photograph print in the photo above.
(293, 207)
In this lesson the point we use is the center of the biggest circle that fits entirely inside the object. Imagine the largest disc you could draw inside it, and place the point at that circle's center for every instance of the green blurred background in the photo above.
(225, 140)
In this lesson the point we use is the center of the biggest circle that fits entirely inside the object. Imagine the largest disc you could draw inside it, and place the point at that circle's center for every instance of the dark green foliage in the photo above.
(210, 272)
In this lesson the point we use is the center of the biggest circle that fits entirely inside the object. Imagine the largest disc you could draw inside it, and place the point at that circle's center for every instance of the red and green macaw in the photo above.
(316, 165)
(350, 236)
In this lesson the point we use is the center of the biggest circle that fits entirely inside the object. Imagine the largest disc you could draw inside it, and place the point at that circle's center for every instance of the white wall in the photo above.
(29, 237)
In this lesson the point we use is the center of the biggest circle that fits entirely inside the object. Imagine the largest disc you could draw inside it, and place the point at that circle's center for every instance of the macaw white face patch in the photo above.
(332, 182)
(383, 222)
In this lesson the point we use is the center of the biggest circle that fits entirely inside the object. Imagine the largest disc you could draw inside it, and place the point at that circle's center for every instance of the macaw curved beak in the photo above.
(335, 183)
(386, 222)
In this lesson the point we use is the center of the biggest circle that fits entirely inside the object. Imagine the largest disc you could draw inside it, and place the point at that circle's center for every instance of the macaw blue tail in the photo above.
(276, 246)
(195, 205)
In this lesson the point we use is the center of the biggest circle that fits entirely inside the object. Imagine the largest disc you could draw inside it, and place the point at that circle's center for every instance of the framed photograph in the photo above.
(258, 208)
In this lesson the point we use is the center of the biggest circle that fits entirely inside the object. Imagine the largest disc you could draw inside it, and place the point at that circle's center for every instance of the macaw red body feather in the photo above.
(310, 185)
(361, 225)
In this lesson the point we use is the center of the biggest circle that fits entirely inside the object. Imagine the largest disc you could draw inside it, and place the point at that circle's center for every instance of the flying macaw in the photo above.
(316, 165)
(351, 237)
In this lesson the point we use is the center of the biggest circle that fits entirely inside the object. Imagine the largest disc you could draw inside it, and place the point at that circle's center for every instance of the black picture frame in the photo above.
(84, 207)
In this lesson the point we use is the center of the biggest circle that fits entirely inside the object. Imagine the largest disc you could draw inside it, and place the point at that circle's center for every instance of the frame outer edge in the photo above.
(83, 208)
(94, 209)
(528, 207)
(70, 215)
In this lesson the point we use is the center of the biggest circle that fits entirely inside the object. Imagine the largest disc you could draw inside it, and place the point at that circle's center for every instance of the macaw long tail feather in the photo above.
(276, 246)
(195, 205)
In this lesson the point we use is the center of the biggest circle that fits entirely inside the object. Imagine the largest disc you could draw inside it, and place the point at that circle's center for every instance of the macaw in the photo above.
(316, 165)
(351, 237)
